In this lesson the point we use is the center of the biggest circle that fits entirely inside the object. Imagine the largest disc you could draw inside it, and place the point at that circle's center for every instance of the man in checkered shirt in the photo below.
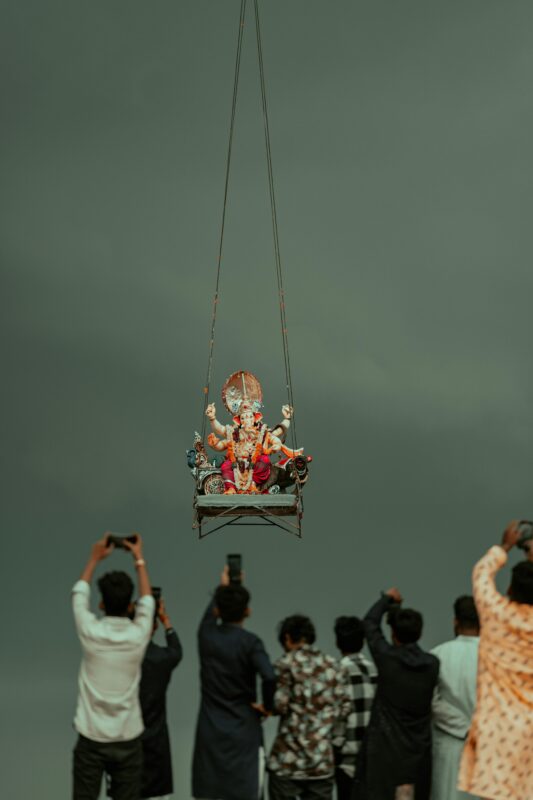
(361, 676)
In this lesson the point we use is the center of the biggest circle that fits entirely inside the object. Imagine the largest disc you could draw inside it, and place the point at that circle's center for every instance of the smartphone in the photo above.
(234, 562)
(526, 534)
(118, 540)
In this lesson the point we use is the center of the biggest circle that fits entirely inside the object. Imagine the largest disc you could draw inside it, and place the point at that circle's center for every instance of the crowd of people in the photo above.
(456, 722)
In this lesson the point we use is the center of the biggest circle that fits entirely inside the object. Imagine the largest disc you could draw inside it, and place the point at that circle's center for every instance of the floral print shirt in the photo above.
(311, 696)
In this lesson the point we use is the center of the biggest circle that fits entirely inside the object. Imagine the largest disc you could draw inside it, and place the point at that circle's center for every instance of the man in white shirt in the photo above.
(108, 714)
(454, 699)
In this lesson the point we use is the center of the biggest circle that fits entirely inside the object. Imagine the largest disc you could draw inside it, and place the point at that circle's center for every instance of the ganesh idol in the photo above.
(248, 442)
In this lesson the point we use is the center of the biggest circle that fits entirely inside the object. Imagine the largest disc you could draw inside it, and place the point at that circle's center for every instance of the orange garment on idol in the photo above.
(497, 760)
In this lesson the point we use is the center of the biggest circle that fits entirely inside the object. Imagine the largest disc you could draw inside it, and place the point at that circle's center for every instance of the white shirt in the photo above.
(108, 707)
(455, 696)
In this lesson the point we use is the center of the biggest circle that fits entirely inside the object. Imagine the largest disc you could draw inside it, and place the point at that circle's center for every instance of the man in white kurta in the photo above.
(454, 700)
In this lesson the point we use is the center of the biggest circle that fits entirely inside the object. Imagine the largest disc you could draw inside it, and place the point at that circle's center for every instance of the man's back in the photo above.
(497, 756)
(310, 697)
(157, 667)
(228, 732)
(455, 697)
(230, 659)
(398, 747)
(360, 677)
(113, 647)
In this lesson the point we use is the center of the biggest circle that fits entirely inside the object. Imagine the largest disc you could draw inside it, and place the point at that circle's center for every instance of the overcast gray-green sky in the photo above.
(401, 138)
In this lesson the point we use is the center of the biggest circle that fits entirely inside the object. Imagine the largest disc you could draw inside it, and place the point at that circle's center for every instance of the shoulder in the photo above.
(145, 606)
(435, 663)
(329, 661)
(325, 662)
(154, 652)
(444, 649)
(247, 640)
(362, 664)
(284, 662)
(251, 640)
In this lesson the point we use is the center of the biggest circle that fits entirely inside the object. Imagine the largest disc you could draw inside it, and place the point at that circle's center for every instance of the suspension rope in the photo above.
(277, 253)
(223, 223)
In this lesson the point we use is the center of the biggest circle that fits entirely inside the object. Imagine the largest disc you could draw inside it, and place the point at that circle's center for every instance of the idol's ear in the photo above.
(258, 416)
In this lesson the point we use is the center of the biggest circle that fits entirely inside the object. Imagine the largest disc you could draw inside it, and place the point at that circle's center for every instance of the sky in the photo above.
(401, 145)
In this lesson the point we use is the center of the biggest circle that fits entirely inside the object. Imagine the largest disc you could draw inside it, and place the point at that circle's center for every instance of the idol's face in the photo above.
(247, 419)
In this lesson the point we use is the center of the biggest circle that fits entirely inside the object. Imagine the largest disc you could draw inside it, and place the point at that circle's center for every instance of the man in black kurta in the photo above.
(228, 732)
(395, 760)
(157, 668)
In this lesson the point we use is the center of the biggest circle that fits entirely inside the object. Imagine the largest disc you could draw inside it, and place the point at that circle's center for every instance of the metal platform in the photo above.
(266, 509)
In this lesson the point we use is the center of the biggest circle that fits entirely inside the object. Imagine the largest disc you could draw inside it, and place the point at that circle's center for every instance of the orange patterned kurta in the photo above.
(497, 759)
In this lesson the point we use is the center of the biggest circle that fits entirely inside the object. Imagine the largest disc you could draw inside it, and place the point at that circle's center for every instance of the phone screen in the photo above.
(234, 562)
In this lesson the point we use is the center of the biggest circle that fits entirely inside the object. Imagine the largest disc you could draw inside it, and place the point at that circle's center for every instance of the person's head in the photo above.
(295, 631)
(406, 625)
(349, 634)
(232, 603)
(466, 620)
(116, 589)
(521, 588)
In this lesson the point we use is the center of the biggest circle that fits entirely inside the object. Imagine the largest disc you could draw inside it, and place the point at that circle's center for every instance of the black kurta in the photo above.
(228, 732)
(156, 673)
(397, 748)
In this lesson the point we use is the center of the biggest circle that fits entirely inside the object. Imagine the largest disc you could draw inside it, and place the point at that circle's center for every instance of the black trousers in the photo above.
(287, 789)
(345, 785)
(121, 761)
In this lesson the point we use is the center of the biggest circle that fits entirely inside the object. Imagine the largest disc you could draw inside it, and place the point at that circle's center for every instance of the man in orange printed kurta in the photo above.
(497, 762)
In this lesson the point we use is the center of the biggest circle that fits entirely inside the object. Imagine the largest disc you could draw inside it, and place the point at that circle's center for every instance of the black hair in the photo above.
(298, 627)
(521, 588)
(116, 589)
(465, 611)
(406, 624)
(349, 634)
(232, 602)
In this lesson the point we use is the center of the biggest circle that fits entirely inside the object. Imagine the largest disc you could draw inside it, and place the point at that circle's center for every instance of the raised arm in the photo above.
(174, 648)
(282, 428)
(209, 618)
(143, 581)
(99, 551)
(216, 426)
(486, 594)
(377, 643)
(82, 589)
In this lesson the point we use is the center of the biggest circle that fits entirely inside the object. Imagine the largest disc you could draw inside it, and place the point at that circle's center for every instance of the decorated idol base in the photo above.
(246, 446)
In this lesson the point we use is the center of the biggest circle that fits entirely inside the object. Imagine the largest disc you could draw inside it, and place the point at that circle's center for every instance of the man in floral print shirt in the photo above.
(310, 697)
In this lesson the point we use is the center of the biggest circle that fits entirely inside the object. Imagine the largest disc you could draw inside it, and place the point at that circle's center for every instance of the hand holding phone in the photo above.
(234, 562)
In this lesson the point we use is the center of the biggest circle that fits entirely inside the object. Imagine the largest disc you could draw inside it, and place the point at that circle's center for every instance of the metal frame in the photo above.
(295, 529)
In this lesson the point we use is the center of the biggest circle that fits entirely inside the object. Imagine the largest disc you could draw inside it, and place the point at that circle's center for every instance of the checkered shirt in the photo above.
(361, 676)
